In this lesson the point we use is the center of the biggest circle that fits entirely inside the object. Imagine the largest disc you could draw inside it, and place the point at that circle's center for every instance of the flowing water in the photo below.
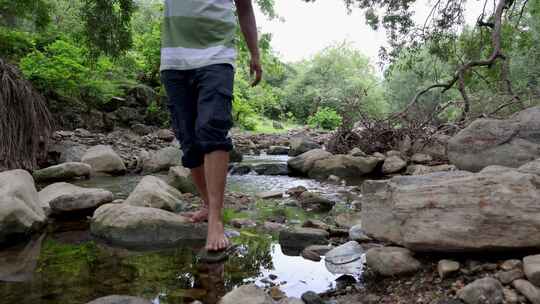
(65, 265)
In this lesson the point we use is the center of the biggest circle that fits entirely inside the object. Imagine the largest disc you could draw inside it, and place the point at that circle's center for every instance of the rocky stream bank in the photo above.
(456, 220)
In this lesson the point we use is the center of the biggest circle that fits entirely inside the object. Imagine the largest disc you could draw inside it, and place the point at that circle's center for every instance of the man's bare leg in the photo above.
(216, 166)
(199, 179)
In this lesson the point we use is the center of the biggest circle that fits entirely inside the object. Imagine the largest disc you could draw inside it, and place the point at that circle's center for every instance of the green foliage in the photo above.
(15, 44)
(27, 13)
(63, 68)
(325, 118)
(331, 80)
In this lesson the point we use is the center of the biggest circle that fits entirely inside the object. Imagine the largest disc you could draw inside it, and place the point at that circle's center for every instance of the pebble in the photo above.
(447, 267)
(511, 264)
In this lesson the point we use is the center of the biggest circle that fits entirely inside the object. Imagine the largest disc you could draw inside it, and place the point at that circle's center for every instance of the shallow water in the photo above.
(67, 266)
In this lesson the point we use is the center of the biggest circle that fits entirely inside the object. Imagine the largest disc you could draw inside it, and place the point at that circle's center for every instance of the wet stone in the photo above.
(241, 170)
(356, 233)
(344, 254)
(321, 250)
(310, 255)
(312, 298)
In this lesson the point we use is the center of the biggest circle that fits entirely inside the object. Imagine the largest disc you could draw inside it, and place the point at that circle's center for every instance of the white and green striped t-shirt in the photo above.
(197, 33)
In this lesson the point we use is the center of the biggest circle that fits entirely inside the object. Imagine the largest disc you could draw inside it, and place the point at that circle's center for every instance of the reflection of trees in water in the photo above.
(249, 262)
(79, 273)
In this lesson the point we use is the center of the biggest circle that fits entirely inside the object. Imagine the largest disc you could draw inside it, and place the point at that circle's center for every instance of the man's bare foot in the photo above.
(216, 240)
(198, 216)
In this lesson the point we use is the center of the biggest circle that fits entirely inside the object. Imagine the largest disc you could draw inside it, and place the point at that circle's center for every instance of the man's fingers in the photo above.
(258, 77)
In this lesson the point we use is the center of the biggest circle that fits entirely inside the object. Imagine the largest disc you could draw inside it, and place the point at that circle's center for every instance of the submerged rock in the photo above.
(511, 142)
(482, 291)
(154, 192)
(294, 240)
(21, 213)
(64, 197)
(17, 264)
(180, 178)
(103, 159)
(391, 261)
(247, 294)
(63, 172)
(455, 211)
(271, 169)
(278, 150)
(132, 226)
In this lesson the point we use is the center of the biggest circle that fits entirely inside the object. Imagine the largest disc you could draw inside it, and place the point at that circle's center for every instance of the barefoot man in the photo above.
(197, 68)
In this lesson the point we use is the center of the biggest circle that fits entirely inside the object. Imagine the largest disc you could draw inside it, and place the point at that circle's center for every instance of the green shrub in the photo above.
(64, 68)
(243, 114)
(325, 118)
(15, 44)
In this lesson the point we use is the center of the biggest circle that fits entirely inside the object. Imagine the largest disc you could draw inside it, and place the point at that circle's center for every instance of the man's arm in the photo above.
(246, 16)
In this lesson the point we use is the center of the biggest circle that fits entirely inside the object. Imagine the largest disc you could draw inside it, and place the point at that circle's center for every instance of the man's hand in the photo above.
(248, 25)
(255, 69)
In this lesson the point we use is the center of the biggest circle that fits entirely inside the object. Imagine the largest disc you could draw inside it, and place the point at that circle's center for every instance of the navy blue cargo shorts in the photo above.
(200, 102)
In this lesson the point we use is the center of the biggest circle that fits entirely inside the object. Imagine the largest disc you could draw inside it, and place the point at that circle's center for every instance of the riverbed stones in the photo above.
(526, 288)
(343, 166)
(356, 233)
(302, 144)
(103, 159)
(310, 255)
(421, 158)
(18, 263)
(422, 170)
(511, 142)
(455, 211)
(391, 261)
(63, 172)
(163, 160)
(116, 299)
(180, 178)
(321, 250)
(278, 150)
(271, 169)
(270, 194)
(21, 213)
(133, 226)
(315, 202)
(445, 268)
(65, 198)
(344, 254)
(311, 297)
(531, 267)
(507, 277)
(246, 294)
(393, 164)
(156, 193)
(303, 163)
(511, 264)
(482, 291)
(298, 238)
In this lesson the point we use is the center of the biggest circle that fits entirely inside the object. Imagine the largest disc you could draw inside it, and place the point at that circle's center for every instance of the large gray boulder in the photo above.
(156, 193)
(496, 209)
(343, 166)
(162, 160)
(302, 144)
(180, 178)
(511, 143)
(482, 291)
(67, 151)
(63, 172)
(103, 159)
(64, 197)
(20, 210)
(303, 163)
(132, 226)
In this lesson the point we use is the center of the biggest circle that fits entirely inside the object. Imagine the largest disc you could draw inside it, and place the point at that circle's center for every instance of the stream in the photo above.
(65, 265)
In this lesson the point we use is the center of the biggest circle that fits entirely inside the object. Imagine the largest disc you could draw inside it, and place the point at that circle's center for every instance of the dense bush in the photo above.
(325, 118)
(15, 44)
(63, 68)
